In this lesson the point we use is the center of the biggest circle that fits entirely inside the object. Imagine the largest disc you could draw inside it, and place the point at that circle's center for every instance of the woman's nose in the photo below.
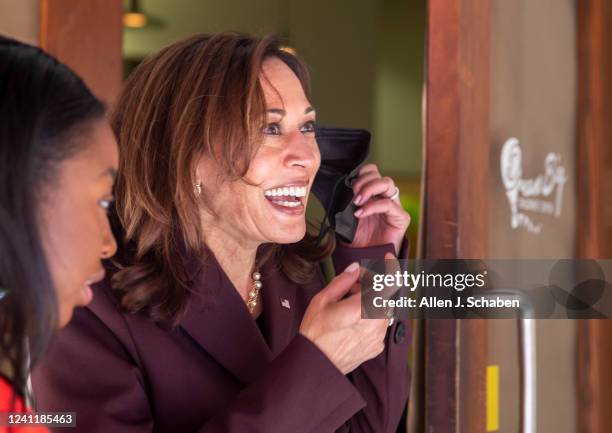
(109, 246)
(303, 151)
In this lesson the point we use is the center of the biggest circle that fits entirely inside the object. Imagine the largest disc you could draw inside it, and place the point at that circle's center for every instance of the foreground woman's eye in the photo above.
(308, 127)
(272, 129)
(106, 203)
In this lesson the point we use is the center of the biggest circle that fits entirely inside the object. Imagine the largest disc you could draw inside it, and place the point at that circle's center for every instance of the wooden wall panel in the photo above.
(87, 36)
(456, 207)
(594, 206)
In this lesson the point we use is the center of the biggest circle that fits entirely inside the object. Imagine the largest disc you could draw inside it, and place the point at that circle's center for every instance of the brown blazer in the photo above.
(122, 373)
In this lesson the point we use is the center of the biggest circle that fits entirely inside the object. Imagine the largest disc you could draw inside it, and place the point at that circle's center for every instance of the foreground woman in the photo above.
(215, 316)
(58, 157)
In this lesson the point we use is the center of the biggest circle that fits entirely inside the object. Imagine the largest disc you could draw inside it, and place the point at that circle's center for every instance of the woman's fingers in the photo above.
(383, 186)
(355, 289)
(384, 206)
(340, 285)
(347, 312)
(361, 181)
(367, 173)
(369, 168)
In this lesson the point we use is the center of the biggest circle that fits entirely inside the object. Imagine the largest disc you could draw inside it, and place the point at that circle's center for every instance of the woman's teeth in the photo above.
(287, 197)
(287, 203)
(291, 191)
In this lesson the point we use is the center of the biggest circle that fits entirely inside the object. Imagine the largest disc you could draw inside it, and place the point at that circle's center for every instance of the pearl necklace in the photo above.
(254, 293)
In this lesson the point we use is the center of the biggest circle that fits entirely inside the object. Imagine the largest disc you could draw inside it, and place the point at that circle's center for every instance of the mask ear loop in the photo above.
(325, 228)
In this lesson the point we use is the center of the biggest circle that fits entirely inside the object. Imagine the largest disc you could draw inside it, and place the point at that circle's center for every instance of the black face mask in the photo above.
(342, 153)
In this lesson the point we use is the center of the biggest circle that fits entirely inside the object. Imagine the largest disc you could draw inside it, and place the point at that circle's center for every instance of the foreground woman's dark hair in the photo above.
(43, 106)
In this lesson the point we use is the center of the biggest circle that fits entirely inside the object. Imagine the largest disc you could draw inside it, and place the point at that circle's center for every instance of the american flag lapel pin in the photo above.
(285, 303)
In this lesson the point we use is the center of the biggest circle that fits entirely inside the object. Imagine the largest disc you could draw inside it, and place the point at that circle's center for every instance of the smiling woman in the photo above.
(215, 316)
(214, 118)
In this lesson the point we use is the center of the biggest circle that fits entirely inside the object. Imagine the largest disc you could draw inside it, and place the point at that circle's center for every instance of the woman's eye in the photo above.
(272, 129)
(106, 203)
(308, 127)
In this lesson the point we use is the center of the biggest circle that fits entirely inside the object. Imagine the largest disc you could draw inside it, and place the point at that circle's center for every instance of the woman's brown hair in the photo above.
(199, 96)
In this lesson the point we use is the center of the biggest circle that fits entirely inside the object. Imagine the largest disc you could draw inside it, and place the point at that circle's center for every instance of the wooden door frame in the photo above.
(456, 203)
(594, 240)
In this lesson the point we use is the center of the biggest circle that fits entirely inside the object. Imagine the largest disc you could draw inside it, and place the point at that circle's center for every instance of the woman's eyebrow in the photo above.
(282, 112)
(278, 111)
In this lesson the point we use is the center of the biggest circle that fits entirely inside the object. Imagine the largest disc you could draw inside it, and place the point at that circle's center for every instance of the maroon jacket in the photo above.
(215, 372)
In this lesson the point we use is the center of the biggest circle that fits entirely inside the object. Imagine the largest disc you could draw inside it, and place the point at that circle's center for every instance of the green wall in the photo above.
(399, 87)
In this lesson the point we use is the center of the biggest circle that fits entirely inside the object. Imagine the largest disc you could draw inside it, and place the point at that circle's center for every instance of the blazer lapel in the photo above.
(219, 321)
(279, 306)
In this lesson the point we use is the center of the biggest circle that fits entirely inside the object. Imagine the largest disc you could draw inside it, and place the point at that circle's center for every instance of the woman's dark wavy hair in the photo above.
(199, 96)
(43, 108)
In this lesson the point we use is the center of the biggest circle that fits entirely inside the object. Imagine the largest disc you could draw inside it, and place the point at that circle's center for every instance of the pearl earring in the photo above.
(197, 188)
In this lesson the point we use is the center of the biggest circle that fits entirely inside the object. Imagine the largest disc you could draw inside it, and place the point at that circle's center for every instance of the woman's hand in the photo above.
(335, 325)
(381, 219)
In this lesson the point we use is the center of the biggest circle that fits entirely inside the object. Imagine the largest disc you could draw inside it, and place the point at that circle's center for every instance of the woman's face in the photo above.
(272, 209)
(75, 228)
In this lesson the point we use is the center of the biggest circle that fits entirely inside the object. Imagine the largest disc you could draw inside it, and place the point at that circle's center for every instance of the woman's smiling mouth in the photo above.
(289, 198)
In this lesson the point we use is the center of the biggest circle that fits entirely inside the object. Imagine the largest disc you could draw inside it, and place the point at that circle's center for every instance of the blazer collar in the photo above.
(220, 322)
